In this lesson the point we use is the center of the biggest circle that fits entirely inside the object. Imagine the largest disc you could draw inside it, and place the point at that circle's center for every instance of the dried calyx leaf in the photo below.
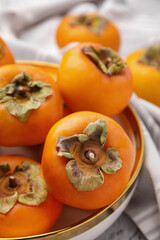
(88, 157)
(23, 95)
(151, 56)
(97, 130)
(1, 51)
(23, 185)
(4, 168)
(36, 194)
(106, 59)
(93, 23)
(113, 162)
(66, 146)
(84, 180)
(7, 202)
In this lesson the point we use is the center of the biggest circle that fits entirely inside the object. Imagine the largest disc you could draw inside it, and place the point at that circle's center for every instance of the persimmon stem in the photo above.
(12, 182)
(21, 91)
(89, 155)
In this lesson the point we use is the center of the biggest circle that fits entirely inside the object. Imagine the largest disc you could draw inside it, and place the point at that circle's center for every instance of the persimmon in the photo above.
(30, 103)
(92, 77)
(90, 27)
(145, 67)
(87, 160)
(26, 206)
(6, 56)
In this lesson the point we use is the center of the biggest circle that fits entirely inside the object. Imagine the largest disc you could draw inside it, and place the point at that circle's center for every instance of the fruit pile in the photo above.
(87, 157)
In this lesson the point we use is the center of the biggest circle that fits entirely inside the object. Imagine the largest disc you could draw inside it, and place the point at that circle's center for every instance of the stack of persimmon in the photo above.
(83, 151)
(87, 158)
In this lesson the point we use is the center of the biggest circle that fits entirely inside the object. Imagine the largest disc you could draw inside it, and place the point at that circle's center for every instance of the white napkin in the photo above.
(29, 28)
(144, 207)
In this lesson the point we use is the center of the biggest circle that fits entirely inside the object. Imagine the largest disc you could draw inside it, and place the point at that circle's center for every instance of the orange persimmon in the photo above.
(94, 78)
(75, 165)
(30, 103)
(23, 219)
(6, 57)
(88, 28)
(145, 67)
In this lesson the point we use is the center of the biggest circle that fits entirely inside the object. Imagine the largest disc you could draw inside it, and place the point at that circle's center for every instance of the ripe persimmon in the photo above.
(88, 28)
(30, 103)
(145, 67)
(6, 57)
(94, 78)
(26, 206)
(87, 160)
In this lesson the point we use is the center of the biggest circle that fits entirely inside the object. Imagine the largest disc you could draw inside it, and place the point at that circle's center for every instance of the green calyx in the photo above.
(24, 185)
(151, 56)
(23, 95)
(93, 23)
(106, 59)
(88, 157)
(1, 51)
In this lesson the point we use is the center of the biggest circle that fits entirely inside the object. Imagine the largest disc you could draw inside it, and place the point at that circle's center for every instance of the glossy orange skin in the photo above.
(54, 166)
(85, 87)
(23, 220)
(7, 58)
(15, 133)
(146, 79)
(66, 33)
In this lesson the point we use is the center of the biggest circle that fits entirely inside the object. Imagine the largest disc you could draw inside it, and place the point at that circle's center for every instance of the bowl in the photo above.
(74, 223)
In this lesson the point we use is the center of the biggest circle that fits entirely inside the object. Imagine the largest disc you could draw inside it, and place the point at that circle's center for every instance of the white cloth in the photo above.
(29, 28)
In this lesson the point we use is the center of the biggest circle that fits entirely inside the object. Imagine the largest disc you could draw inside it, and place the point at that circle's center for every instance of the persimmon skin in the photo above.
(23, 220)
(85, 87)
(145, 78)
(66, 33)
(54, 166)
(7, 57)
(34, 130)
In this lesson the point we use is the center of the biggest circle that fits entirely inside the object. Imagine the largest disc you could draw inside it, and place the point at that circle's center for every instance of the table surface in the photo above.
(123, 229)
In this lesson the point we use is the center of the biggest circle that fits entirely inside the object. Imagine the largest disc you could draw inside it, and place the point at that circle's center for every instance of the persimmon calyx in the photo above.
(1, 51)
(151, 56)
(23, 95)
(23, 185)
(88, 157)
(106, 59)
(94, 24)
